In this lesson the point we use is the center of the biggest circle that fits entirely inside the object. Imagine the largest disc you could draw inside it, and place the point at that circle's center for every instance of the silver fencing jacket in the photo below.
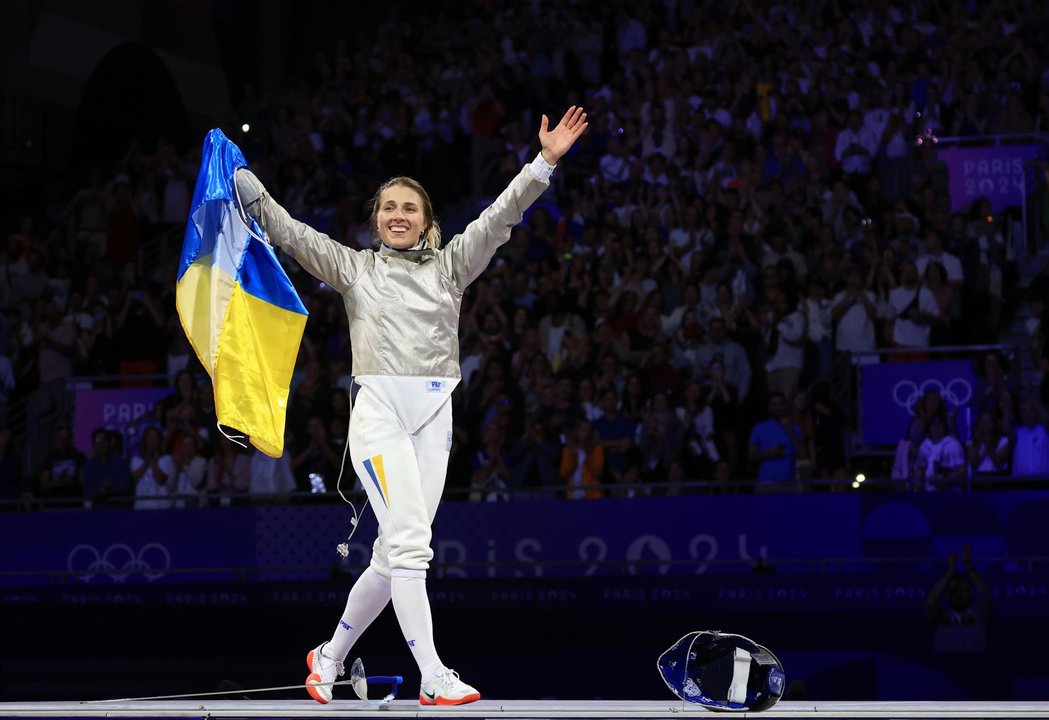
(403, 307)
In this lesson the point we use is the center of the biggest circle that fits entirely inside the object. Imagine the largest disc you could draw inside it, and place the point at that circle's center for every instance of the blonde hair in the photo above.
(431, 235)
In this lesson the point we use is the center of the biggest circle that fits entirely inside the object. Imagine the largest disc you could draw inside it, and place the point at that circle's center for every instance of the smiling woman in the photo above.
(403, 300)
(402, 216)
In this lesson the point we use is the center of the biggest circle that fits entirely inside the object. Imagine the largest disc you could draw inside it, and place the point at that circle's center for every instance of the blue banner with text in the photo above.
(689, 535)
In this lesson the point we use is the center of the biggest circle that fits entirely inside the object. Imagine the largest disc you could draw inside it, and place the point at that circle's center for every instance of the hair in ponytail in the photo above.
(432, 236)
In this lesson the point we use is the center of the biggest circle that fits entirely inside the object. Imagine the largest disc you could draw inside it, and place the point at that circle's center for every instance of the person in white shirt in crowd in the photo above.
(733, 357)
(935, 252)
(939, 456)
(935, 281)
(673, 321)
(835, 203)
(989, 449)
(856, 146)
(688, 235)
(777, 249)
(658, 133)
(616, 163)
(631, 34)
(272, 476)
(913, 309)
(894, 162)
(709, 279)
(854, 310)
(228, 472)
(905, 238)
(189, 472)
(784, 332)
(151, 471)
(556, 323)
(1031, 443)
(817, 309)
(875, 112)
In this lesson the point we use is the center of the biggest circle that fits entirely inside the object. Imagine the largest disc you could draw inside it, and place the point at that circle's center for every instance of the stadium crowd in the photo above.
(758, 195)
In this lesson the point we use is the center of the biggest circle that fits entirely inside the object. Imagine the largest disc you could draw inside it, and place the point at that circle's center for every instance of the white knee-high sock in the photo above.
(412, 606)
(367, 598)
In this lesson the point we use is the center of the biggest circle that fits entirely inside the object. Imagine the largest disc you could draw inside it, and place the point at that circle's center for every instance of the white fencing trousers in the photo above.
(403, 474)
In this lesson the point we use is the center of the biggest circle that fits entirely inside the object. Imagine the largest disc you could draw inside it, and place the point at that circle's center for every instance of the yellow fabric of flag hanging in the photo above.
(239, 309)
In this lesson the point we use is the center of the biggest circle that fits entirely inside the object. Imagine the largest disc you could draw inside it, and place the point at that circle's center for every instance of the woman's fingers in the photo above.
(566, 120)
(572, 117)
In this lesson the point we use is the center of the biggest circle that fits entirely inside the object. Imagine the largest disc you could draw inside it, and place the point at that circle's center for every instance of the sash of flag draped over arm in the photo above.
(237, 305)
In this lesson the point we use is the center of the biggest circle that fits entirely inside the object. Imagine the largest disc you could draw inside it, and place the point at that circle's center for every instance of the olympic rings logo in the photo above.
(119, 562)
(907, 393)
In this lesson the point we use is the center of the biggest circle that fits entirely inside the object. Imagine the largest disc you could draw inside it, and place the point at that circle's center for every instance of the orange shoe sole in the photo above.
(313, 690)
(472, 697)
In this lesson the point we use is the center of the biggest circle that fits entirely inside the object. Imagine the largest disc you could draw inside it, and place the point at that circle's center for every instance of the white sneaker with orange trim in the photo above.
(445, 688)
(323, 669)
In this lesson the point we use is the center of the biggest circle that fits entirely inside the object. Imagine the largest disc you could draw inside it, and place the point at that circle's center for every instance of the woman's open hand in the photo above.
(557, 142)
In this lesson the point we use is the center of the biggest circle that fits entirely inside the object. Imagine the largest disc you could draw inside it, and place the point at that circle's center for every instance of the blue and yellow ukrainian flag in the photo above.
(237, 306)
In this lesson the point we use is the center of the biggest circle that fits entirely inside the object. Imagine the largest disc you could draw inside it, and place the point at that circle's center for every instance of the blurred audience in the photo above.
(751, 194)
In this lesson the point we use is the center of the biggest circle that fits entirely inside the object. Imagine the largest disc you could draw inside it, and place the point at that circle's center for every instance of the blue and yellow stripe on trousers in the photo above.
(378, 475)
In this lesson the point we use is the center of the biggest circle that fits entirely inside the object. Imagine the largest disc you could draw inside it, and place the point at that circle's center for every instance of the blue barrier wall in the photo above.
(650, 536)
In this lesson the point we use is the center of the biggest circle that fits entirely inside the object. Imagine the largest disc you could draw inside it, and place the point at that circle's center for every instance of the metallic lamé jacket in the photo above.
(403, 307)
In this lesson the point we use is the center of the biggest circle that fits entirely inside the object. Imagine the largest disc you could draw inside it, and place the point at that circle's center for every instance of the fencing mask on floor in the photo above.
(722, 671)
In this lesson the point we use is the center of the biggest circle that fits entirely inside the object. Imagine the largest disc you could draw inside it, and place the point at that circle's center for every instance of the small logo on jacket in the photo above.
(435, 386)
(345, 625)
(411, 643)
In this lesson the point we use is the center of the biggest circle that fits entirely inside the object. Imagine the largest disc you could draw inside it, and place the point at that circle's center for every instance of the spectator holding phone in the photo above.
(775, 445)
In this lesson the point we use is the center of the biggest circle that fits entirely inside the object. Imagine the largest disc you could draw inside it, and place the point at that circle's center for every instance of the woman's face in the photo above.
(401, 219)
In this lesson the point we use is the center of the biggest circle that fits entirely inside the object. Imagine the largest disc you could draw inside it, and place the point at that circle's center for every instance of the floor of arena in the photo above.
(510, 709)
